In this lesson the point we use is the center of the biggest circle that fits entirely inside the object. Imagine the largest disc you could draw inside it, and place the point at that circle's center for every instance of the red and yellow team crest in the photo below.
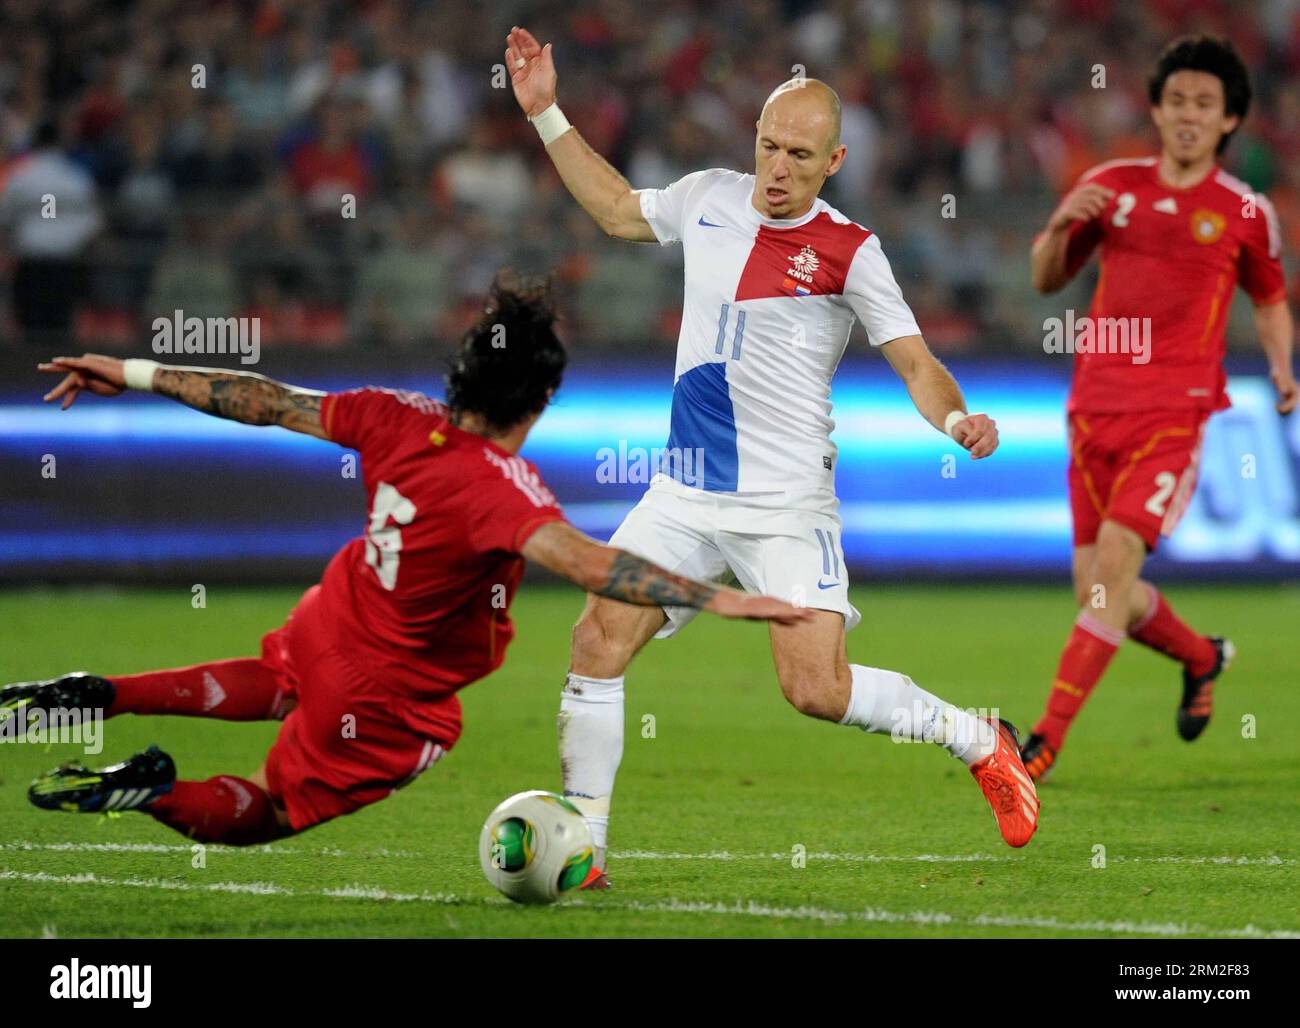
(1207, 225)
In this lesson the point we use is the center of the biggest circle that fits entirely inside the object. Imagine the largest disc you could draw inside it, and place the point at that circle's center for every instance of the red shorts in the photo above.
(350, 740)
(1135, 469)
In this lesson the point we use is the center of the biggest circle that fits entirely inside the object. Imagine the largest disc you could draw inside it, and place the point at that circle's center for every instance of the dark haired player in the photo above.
(404, 616)
(1177, 234)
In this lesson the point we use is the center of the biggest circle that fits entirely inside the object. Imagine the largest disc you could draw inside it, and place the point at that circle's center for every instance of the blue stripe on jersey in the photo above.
(703, 419)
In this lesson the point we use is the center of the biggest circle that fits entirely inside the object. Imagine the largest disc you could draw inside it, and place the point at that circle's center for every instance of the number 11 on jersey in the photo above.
(738, 338)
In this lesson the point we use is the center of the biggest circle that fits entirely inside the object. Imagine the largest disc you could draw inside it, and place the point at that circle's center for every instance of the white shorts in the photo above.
(794, 555)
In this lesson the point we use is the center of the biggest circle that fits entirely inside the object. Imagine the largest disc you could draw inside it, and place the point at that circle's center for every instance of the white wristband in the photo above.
(139, 373)
(952, 419)
(551, 124)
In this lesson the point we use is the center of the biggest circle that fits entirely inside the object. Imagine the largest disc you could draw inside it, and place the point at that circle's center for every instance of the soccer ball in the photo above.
(535, 847)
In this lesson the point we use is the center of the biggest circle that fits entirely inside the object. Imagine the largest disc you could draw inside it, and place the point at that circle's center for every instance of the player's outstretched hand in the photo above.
(978, 433)
(91, 371)
(1082, 204)
(1288, 393)
(532, 71)
(732, 603)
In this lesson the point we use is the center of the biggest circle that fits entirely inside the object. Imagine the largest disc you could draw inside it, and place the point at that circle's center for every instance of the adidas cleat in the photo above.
(76, 691)
(1038, 757)
(1007, 786)
(125, 786)
(1198, 691)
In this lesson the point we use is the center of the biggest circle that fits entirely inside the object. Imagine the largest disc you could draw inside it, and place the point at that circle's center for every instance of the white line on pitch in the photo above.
(158, 847)
(943, 858)
(1273, 860)
(858, 858)
(738, 908)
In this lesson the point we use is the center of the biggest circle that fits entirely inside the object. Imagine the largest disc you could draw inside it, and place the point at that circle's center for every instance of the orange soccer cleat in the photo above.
(1007, 786)
(1039, 758)
(1198, 691)
(596, 880)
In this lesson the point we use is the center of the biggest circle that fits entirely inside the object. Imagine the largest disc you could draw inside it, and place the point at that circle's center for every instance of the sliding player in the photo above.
(365, 672)
(1177, 234)
(774, 279)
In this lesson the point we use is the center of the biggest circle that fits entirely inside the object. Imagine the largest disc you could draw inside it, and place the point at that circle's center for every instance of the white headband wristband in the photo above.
(139, 373)
(952, 419)
(551, 124)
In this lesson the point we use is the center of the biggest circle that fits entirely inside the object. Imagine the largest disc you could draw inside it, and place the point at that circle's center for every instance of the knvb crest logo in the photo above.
(804, 264)
(799, 274)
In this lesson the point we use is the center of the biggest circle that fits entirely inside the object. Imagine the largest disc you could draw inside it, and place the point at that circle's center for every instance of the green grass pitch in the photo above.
(712, 812)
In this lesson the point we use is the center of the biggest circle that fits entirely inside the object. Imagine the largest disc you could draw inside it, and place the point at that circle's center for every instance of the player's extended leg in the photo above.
(244, 689)
(1144, 501)
(675, 532)
(818, 680)
(605, 639)
(1106, 583)
(1204, 658)
(1151, 620)
(345, 745)
(224, 809)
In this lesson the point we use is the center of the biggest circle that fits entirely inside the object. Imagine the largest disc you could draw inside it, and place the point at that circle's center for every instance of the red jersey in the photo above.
(1174, 256)
(420, 600)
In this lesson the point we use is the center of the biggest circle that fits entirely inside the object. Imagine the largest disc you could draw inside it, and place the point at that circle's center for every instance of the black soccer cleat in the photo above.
(80, 790)
(1038, 758)
(76, 691)
(1198, 691)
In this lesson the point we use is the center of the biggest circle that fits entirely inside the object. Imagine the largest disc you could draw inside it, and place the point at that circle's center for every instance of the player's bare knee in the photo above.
(1086, 583)
(1120, 552)
(811, 695)
(586, 640)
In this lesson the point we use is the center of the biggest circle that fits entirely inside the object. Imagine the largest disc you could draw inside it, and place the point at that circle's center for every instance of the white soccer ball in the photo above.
(535, 847)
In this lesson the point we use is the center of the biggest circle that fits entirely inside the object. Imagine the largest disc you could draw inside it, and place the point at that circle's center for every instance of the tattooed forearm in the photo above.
(300, 411)
(634, 580)
(252, 399)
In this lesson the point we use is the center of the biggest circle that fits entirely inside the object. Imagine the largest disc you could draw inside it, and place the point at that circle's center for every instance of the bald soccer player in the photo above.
(774, 278)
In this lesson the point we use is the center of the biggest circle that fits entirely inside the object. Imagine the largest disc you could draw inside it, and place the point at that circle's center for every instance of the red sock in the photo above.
(232, 690)
(1167, 633)
(224, 809)
(1086, 654)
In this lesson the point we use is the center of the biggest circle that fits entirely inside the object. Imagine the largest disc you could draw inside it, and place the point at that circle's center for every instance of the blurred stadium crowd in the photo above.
(200, 151)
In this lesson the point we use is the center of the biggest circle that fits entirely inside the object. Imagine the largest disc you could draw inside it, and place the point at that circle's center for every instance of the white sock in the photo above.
(590, 725)
(887, 702)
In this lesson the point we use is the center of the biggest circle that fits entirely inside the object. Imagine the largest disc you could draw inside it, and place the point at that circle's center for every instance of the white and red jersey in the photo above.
(766, 315)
